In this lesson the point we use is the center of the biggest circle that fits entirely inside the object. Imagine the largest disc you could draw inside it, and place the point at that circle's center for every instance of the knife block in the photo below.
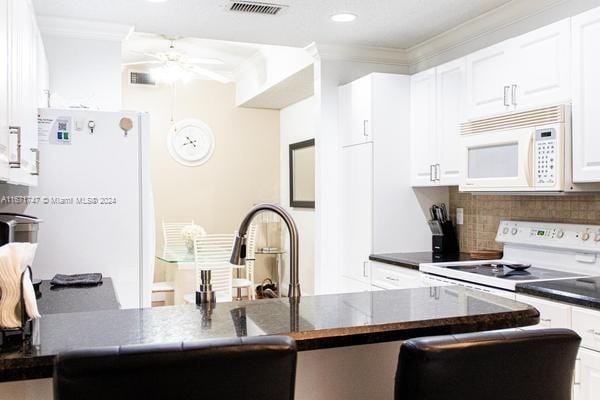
(446, 243)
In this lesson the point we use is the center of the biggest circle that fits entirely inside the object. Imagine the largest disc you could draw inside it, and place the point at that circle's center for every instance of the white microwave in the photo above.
(528, 151)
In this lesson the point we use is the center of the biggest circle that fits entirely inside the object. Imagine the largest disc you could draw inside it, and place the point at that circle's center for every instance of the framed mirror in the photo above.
(302, 174)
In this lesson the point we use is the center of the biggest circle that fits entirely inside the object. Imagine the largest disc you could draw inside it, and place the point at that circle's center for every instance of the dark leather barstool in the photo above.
(240, 368)
(520, 365)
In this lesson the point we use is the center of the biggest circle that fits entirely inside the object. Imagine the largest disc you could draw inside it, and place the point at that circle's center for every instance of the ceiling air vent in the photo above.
(256, 7)
(141, 78)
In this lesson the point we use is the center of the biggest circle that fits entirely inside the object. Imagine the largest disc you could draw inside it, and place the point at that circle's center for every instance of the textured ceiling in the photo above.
(384, 23)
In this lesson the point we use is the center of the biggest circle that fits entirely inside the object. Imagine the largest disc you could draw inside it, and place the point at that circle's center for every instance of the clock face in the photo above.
(191, 142)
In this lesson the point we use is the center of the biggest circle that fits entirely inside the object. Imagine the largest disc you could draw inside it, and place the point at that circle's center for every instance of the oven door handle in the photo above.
(529, 171)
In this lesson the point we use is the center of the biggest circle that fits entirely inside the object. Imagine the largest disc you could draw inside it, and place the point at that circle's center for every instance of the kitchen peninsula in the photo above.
(347, 342)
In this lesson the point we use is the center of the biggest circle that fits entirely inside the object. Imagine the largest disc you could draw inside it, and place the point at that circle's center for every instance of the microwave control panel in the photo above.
(546, 150)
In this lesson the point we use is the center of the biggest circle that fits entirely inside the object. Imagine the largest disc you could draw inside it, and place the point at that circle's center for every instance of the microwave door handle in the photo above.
(529, 172)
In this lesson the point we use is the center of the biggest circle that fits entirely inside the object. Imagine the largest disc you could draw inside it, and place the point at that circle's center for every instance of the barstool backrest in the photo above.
(239, 368)
(506, 365)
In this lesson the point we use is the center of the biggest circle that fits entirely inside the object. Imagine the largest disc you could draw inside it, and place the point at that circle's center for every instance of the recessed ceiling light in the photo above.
(343, 17)
(157, 1)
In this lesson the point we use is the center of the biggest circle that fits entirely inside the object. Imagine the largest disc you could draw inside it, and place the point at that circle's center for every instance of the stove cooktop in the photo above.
(503, 271)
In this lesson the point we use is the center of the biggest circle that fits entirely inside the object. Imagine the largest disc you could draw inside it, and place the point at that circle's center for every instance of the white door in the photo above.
(586, 96)
(4, 119)
(423, 128)
(488, 81)
(589, 375)
(450, 113)
(22, 92)
(357, 210)
(542, 66)
(355, 111)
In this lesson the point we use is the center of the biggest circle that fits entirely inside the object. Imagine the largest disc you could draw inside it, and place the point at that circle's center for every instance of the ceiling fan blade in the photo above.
(141, 63)
(208, 73)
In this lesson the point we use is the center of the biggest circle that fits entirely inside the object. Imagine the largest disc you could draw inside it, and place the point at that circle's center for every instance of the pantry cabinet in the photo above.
(586, 96)
(437, 109)
(587, 380)
(355, 111)
(21, 44)
(531, 70)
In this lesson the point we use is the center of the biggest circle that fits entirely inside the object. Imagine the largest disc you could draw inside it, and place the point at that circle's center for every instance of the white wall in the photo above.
(84, 72)
(297, 123)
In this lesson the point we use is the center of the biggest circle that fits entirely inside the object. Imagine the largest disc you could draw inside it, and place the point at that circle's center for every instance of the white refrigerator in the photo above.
(95, 199)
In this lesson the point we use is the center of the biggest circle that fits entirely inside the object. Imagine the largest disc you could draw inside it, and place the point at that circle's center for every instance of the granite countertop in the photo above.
(56, 300)
(316, 322)
(583, 292)
(412, 260)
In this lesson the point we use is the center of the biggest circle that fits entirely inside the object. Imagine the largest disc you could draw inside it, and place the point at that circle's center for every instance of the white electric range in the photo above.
(539, 252)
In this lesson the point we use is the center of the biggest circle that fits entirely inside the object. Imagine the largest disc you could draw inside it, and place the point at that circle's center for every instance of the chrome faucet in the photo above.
(238, 255)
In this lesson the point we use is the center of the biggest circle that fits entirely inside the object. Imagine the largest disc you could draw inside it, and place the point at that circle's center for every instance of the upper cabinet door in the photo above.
(488, 77)
(355, 111)
(542, 66)
(22, 92)
(4, 120)
(450, 83)
(423, 128)
(586, 96)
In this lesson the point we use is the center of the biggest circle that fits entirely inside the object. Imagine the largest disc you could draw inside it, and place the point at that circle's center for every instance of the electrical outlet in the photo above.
(460, 216)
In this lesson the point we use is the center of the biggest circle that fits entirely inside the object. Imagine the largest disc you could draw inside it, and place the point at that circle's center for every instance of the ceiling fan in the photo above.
(173, 65)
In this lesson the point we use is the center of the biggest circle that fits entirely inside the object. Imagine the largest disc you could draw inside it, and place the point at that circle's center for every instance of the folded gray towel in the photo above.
(76, 280)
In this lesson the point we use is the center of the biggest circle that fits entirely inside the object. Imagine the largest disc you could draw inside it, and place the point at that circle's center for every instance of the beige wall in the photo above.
(243, 170)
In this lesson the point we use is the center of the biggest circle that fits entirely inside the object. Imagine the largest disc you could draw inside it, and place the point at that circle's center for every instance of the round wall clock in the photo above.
(191, 142)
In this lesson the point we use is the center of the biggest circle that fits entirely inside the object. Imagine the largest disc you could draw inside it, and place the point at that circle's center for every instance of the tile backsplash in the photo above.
(483, 213)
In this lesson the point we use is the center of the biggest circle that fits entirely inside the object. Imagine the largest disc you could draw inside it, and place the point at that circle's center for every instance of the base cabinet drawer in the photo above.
(391, 277)
(587, 324)
(552, 315)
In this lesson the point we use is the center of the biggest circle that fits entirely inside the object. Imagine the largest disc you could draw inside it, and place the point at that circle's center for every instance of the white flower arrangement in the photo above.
(189, 234)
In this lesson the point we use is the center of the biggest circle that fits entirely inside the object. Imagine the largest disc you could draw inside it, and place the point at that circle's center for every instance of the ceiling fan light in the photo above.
(343, 17)
(170, 73)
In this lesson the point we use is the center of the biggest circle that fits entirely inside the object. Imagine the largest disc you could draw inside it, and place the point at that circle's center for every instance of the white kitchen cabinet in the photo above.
(586, 96)
(355, 111)
(22, 92)
(4, 120)
(542, 66)
(450, 109)
(588, 375)
(437, 109)
(357, 211)
(423, 128)
(488, 81)
(529, 71)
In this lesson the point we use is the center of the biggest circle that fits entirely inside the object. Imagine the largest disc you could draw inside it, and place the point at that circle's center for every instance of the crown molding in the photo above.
(364, 54)
(482, 27)
(82, 29)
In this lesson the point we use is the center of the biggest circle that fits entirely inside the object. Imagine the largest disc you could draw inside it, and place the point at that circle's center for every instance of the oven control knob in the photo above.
(585, 236)
(597, 237)
(560, 234)
(505, 231)
(514, 231)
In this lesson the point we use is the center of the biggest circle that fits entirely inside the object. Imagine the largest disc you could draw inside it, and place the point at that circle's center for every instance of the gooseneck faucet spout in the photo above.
(238, 254)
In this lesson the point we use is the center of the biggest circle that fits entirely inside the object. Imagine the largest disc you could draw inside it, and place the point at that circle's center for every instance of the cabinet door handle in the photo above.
(37, 162)
(16, 130)
(365, 123)
(365, 269)
(438, 174)
(506, 89)
(547, 321)
(431, 176)
(513, 94)
(389, 278)
(595, 332)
